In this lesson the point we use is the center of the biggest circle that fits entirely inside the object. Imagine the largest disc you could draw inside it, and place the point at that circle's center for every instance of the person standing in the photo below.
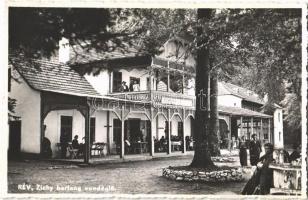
(243, 151)
(136, 87)
(124, 87)
(254, 150)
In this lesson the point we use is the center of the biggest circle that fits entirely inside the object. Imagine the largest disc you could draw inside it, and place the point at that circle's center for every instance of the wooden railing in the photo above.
(157, 97)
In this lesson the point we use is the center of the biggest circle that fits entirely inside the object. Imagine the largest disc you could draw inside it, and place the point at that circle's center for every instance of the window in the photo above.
(117, 80)
(279, 136)
(265, 136)
(279, 117)
(92, 130)
(66, 128)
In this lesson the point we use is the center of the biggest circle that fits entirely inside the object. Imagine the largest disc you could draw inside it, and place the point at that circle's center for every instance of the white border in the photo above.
(142, 4)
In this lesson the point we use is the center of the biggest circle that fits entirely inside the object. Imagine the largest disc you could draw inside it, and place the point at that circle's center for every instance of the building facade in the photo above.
(155, 114)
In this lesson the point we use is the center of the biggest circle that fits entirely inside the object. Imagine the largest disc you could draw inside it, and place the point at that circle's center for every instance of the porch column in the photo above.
(87, 135)
(269, 131)
(152, 132)
(242, 126)
(183, 82)
(169, 132)
(229, 134)
(261, 127)
(108, 131)
(122, 132)
(183, 139)
(251, 126)
(168, 78)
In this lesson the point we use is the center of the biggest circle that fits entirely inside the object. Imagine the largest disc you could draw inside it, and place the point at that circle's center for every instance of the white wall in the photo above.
(229, 100)
(28, 108)
(53, 123)
(99, 82)
(53, 127)
(278, 128)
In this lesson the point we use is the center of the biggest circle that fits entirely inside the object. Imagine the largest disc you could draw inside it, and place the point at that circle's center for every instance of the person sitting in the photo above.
(77, 145)
(262, 179)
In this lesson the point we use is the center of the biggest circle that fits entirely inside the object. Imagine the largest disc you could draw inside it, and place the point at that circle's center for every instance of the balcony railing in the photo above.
(157, 97)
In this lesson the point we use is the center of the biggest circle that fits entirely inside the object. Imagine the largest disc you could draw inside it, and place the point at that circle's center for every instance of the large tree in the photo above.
(202, 156)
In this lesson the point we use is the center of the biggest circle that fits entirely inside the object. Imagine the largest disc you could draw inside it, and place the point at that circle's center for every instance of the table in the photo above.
(287, 179)
(99, 149)
(139, 147)
(175, 145)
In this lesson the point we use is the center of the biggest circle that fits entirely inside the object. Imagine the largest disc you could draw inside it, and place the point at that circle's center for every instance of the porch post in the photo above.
(122, 132)
(269, 131)
(242, 126)
(229, 134)
(169, 132)
(261, 127)
(87, 135)
(152, 132)
(251, 126)
(108, 131)
(183, 135)
(183, 82)
(168, 79)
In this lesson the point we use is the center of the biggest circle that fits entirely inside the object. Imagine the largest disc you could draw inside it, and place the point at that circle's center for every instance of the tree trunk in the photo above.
(214, 118)
(202, 158)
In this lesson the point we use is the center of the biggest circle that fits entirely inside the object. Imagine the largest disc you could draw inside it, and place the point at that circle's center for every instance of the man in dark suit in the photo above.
(254, 150)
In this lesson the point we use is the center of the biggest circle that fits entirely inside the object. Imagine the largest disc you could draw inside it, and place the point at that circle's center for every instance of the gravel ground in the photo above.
(143, 177)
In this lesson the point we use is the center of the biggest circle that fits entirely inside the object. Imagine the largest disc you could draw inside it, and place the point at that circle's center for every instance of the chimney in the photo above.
(64, 50)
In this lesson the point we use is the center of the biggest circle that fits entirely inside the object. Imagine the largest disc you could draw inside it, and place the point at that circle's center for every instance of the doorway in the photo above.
(14, 139)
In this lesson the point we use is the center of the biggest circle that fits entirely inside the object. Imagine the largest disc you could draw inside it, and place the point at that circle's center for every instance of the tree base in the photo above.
(214, 175)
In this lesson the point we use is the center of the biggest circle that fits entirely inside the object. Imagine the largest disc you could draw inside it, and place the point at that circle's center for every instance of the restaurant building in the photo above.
(82, 94)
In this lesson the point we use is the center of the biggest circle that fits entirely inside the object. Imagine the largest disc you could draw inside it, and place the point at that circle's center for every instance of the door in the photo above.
(14, 139)
(66, 128)
(134, 129)
(117, 80)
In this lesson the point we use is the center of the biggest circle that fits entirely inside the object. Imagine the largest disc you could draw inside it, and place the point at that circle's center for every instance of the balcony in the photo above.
(158, 98)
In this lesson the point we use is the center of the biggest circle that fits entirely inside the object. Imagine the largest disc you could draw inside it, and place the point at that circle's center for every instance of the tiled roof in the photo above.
(241, 112)
(51, 76)
(78, 55)
(247, 95)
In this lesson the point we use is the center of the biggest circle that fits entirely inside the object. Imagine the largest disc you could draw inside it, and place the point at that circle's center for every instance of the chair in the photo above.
(72, 152)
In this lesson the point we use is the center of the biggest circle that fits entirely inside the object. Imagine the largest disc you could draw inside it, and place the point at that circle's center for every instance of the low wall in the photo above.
(221, 175)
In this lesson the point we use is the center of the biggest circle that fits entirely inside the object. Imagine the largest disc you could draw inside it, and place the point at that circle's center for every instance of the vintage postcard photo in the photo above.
(155, 101)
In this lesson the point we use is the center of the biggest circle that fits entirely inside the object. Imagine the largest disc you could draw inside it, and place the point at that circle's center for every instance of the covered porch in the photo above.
(238, 122)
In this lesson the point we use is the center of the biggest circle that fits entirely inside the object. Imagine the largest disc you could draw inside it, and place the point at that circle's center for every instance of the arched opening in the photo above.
(176, 133)
(137, 133)
(60, 127)
(160, 123)
(189, 133)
